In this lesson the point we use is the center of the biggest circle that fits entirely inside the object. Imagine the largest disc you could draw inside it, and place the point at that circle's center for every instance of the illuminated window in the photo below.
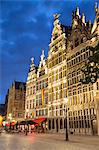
(55, 36)
(41, 73)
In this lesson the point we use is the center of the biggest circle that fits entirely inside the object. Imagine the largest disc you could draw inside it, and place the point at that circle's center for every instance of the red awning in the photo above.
(39, 120)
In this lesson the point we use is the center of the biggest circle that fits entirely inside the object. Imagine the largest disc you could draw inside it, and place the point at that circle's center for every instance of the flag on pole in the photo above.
(42, 97)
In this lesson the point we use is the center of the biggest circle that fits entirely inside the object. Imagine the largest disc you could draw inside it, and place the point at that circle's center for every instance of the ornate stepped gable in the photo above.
(81, 31)
(58, 30)
(58, 42)
(32, 71)
(32, 65)
(42, 69)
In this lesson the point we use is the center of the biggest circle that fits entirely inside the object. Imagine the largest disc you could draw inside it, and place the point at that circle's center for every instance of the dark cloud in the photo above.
(26, 29)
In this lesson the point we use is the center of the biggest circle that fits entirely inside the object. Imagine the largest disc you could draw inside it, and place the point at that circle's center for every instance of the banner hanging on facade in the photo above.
(42, 97)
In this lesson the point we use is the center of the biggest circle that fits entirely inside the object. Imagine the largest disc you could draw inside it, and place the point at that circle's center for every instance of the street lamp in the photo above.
(66, 123)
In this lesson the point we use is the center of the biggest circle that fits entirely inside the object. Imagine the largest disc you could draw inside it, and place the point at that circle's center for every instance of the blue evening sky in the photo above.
(25, 29)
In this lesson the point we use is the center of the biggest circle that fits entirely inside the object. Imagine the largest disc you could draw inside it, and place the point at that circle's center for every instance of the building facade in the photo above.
(30, 91)
(16, 101)
(36, 90)
(69, 51)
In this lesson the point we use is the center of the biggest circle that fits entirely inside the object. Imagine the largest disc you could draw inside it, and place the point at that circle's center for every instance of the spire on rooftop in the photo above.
(77, 11)
(32, 60)
(83, 18)
(56, 19)
(42, 56)
(32, 65)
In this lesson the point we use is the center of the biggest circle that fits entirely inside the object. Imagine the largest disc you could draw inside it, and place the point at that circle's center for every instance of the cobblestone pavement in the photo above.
(47, 142)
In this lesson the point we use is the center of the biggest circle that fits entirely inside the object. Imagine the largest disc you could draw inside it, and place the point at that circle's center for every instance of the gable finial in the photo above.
(42, 51)
(56, 16)
(77, 11)
(83, 18)
(32, 60)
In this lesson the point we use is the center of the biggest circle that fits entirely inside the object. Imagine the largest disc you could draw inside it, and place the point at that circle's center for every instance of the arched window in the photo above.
(55, 36)
(56, 48)
(42, 72)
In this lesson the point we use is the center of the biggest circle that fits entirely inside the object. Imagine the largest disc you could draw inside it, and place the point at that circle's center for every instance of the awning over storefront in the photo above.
(39, 120)
(22, 123)
(31, 122)
(27, 122)
(34, 122)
